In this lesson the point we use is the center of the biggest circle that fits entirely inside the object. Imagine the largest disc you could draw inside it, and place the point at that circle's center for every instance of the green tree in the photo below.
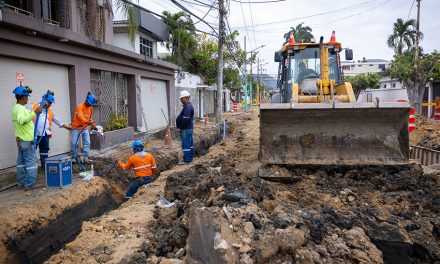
(404, 36)
(182, 42)
(402, 68)
(129, 12)
(361, 82)
(300, 33)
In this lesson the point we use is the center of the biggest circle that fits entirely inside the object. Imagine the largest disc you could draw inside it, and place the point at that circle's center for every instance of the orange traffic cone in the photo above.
(168, 137)
(291, 39)
(333, 37)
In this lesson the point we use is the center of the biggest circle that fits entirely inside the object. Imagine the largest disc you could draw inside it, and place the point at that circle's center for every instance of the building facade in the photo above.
(68, 47)
(352, 68)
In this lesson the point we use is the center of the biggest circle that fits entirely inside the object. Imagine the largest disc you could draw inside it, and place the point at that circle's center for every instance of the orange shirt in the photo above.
(83, 114)
(142, 163)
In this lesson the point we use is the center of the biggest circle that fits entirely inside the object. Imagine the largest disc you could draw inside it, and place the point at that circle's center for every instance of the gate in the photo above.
(110, 89)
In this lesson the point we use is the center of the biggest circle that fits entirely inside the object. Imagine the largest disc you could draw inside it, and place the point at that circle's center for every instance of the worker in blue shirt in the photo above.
(184, 122)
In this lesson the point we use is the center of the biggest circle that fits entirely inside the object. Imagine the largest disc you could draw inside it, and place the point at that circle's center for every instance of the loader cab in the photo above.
(301, 64)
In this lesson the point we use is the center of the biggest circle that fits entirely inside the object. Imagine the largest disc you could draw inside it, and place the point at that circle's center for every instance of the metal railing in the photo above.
(50, 21)
(18, 10)
(424, 155)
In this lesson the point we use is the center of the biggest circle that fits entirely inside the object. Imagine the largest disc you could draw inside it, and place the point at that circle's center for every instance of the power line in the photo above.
(410, 9)
(245, 26)
(206, 13)
(191, 13)
(164, 17)
(252, 21)
(259, 2)
(320, 14)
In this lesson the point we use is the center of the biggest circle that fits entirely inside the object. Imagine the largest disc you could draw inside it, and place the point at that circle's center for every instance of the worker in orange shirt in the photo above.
(81, 120)
(143, 165)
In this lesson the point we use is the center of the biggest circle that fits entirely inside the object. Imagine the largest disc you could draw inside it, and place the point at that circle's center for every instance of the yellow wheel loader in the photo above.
(315, 119)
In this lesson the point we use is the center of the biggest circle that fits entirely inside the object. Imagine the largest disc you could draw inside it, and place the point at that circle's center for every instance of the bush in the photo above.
(116, 122)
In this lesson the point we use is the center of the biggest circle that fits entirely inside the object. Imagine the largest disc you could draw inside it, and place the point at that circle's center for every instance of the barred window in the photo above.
(146, 47)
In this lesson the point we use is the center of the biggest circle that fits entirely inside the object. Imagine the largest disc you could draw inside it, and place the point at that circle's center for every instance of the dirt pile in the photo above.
(427, 134)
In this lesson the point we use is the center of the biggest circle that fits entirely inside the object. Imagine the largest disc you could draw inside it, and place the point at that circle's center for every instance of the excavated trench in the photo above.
(348, 215)
(38, 241)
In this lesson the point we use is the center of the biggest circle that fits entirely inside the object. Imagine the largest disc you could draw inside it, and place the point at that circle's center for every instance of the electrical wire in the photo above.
(191, 13)
(252, 21)
(259, 2)
(245, 26)
(206, 12)
(361, 5)
(409, 12)
(164, 17)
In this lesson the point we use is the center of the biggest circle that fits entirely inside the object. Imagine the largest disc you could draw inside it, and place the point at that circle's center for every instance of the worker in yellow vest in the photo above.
(44, 127)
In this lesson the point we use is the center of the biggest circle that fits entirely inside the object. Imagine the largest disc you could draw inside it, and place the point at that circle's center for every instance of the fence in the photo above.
(425, 156)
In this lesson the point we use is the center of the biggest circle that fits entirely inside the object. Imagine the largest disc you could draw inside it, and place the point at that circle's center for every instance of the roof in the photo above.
(367, 61)
(148, 24)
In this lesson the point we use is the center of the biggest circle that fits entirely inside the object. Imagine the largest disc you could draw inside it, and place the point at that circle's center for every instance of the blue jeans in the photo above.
(26, 164)
(186, 137)
(44, 148)
(74, 142)
(136, 184)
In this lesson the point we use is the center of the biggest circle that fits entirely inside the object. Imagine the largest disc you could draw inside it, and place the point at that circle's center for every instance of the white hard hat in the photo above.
(184, 93)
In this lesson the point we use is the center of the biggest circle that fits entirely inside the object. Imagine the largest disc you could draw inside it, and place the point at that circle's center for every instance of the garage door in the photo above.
(154, 98)
(40, 77)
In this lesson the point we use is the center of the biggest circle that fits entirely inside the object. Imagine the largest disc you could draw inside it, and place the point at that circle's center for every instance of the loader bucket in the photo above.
(340, 134)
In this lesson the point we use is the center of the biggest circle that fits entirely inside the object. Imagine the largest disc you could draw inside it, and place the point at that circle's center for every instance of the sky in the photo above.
(362, 25)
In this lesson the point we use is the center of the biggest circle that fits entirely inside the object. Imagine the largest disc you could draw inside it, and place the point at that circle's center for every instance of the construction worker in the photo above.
(81, 120)
(304, 72)
(44, 127)
(184, 122)
(143, 165)
(24, 135)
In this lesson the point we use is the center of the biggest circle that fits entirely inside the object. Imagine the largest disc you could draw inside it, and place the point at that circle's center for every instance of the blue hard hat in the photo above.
(21, 90)
(137, 144)
(48, 97)
(91, 99)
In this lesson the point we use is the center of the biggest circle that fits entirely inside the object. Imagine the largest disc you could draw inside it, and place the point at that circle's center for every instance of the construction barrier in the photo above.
(437, 109)
(412, 121)
(235, 107)
(412, 118)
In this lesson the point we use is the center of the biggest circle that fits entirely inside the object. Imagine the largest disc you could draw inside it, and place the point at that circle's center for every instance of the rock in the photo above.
(244, 249)
(236, 196)
(249, 228)
(235, 245)
(303, 256)
(103, 258)
(382, 215)
(288, 240)
(351, 198)
(171, 261)
(247, 241)
(99, 249)
(255, 221)
(180, 253)
(357, 239)
(246, 259)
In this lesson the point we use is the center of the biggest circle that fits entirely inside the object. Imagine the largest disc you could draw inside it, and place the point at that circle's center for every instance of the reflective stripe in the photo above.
(44, 153)
(141, 167)
(412, 116)
(186, 117)
(411, 125)
(31, 168)
(19, 166)
(187, 150)
(153, 167)
(81, 114)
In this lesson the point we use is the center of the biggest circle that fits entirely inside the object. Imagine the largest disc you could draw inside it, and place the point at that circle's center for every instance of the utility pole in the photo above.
(245, 77)
(258, 82)
(252, 80)
(416, 63)
(221, 33)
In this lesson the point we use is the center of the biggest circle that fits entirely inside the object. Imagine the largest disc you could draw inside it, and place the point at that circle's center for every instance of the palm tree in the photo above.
(182, 40)
(300, 33)
(128, 11)
(404, 35)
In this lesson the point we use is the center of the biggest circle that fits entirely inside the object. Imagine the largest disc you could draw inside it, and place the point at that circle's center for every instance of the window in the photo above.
(360, 65)
(384, 86)
(394, 85)
(345, 68)
(146, 47)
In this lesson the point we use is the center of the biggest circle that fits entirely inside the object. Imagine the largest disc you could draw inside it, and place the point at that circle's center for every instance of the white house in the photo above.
(389, 90)
(352, 68)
